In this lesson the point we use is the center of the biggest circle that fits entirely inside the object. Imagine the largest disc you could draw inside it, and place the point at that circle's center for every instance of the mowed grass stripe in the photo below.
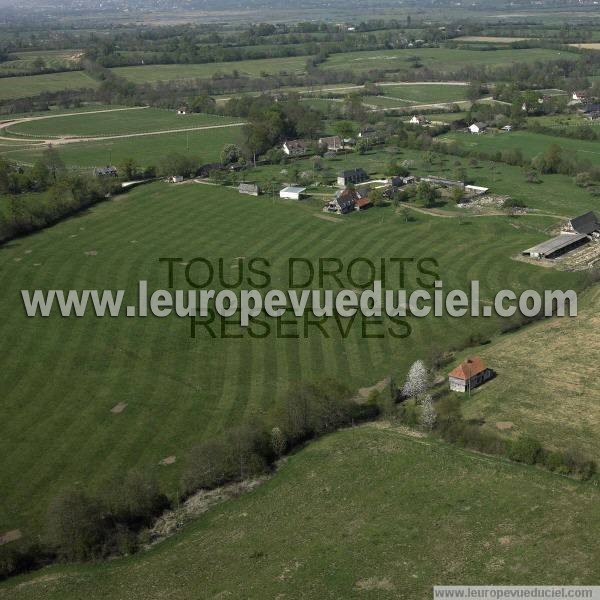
(179, 391)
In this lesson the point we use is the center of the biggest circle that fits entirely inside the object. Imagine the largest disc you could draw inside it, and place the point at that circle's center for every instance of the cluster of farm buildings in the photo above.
(577, 232)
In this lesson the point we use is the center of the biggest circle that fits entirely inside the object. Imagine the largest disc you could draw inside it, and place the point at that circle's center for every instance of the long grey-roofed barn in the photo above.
(557, 246)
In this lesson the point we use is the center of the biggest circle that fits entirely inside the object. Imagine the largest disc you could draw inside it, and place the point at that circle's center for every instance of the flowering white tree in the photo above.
(417, 381)
(428, 413)
(278, 442)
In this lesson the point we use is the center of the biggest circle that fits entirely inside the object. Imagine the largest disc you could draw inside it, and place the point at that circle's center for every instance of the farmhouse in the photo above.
(478, 128)
(579, 96)
(108, 171)
(249, 188)
(419, 120)
(586, 224)
(333, 143)
(469, 375)
(557, 246)
(292, 192)
(352, 176)
(348, 200)
(295, 147)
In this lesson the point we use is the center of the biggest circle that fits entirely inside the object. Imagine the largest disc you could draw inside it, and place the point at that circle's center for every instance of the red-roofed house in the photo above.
(469, 374)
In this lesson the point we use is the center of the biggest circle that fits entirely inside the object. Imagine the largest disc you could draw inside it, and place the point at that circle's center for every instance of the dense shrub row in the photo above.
(452, 427)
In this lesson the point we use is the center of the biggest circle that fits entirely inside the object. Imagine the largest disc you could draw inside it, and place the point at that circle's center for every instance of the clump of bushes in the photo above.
(453, 428)
(309, 411)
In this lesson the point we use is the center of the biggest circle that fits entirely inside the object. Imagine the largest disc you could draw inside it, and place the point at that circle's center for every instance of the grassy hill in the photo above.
(62, 377)
(547, 384)
(364, 513)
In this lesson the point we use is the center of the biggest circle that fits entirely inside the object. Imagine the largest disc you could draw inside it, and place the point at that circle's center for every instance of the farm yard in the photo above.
(549, 195)
(137, 362)
(463, 501)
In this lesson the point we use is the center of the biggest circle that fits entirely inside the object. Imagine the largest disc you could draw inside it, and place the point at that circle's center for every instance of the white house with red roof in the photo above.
(469, 374)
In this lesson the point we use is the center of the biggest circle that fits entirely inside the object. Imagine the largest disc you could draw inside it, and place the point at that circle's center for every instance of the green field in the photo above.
(115, 123)
(440, 60)
(364, 513)
(203, 145)
(436, 59)
(559, 406)
(23, 62)
(252, 68)
(426, 94)
(530, 143)
(32, 85)
(61, 378)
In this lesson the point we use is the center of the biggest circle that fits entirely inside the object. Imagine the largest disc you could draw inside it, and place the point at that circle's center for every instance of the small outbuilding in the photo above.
(292, 192)
(182, 110)
(176, 178)
(419, 120)
(592, 111)
(478, 128)
(469, 374)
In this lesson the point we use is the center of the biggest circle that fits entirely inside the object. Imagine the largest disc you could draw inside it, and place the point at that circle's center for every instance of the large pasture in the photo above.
(117, 122)
(32, 85)
(440, 60)
(364, 513)
(530, 143)
(251, 68)
(62, 377)
(203, 145)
